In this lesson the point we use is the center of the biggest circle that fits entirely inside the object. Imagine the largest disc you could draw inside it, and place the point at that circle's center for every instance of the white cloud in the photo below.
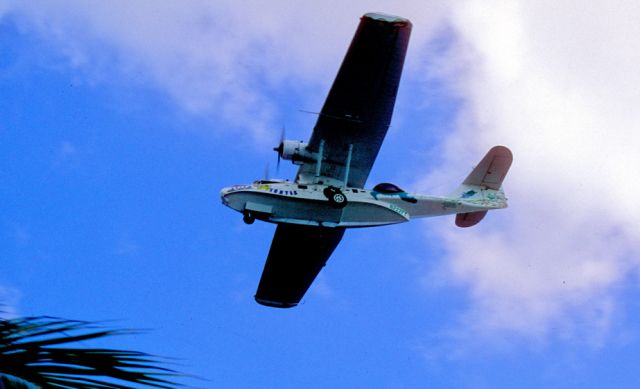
(223, 59)
(557, 82)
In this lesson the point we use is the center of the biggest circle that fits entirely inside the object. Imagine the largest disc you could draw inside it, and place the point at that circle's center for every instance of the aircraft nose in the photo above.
(223, 195)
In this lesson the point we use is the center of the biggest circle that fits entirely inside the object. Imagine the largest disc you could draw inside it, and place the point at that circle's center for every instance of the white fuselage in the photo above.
(288, 202)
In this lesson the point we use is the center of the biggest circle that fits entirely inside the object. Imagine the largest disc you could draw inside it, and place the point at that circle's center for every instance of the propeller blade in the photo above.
(280, 149)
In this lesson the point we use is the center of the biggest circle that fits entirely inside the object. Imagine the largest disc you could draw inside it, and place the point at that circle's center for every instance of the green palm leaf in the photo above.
(33, 351)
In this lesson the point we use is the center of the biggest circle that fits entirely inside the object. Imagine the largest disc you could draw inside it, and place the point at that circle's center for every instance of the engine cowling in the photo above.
(295, 151)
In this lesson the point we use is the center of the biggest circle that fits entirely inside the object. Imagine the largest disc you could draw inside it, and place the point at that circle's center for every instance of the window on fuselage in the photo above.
(386, 187)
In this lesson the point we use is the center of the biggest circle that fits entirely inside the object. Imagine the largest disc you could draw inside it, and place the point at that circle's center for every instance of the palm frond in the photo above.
(10, 382)
(31, 349)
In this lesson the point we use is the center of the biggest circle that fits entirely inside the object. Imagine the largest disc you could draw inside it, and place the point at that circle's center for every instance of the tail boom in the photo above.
(480, 192)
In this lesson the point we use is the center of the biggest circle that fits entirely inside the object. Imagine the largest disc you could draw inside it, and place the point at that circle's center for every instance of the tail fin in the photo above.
(491, 171)
(487, 176)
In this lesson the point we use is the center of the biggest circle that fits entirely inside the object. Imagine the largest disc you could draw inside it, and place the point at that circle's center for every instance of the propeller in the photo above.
(280, 149)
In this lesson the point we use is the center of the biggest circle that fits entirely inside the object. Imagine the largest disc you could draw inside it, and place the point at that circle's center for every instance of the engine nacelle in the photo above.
(295, 151)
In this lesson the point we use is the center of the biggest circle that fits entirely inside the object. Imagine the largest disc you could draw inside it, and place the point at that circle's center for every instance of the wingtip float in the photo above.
(328, 194)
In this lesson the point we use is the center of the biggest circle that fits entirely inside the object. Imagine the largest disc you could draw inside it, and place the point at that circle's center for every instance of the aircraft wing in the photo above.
(358, 109)
(297, 255)
(357, 112)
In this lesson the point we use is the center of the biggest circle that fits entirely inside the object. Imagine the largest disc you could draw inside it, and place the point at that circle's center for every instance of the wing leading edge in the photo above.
(297, 255)
(359, 106)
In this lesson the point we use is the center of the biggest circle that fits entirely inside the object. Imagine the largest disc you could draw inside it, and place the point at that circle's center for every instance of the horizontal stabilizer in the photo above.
(469, 219)
(491, 171)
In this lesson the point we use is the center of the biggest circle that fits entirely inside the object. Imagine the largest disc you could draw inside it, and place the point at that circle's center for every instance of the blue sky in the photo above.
(120, 123)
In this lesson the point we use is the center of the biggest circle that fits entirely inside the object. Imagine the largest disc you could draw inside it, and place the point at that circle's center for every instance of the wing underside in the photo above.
(297, 255)
(359, 106)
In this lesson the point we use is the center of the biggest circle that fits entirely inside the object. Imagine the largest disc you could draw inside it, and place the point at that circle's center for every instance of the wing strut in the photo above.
(319, 159)
(348, 165)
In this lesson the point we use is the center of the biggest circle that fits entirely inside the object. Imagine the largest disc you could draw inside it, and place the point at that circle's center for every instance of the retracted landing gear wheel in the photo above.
(337, 199)
(248, 218)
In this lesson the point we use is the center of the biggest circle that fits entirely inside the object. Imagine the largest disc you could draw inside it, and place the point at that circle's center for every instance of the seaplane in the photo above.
(328, 193)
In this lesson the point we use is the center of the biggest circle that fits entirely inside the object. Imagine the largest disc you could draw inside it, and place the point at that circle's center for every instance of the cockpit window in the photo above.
(386, 187)
(262, 182)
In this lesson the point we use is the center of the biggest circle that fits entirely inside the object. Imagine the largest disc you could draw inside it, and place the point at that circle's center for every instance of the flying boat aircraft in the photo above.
(327, 195)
